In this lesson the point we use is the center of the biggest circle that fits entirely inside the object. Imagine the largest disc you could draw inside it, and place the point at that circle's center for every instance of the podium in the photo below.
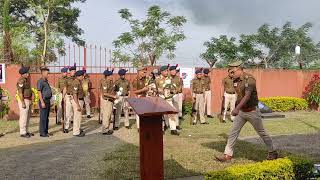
(150, 111)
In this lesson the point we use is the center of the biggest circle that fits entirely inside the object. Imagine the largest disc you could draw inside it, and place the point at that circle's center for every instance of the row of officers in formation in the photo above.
(75, 87)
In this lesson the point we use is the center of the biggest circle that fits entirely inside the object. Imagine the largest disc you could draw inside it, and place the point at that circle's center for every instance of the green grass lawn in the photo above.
(192, 153)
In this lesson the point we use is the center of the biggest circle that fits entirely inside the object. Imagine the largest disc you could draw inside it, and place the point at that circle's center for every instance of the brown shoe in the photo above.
(272, 155)
(223, 158)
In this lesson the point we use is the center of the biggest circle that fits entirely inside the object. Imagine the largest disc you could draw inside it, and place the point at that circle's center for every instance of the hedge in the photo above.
(284, 168)
(285, 103)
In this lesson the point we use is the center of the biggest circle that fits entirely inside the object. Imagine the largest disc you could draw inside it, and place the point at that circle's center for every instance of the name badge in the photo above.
(235, 84)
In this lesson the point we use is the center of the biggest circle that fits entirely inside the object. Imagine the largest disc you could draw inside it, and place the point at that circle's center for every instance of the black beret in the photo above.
(23, 70)
(198, 71)
(206, 71)
(107, 73)
(80, 73)
(64, 70)
(72, 68)
(172, 68)
(122, 72)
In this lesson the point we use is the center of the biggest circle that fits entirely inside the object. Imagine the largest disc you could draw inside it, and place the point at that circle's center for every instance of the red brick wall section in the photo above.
(269, 83)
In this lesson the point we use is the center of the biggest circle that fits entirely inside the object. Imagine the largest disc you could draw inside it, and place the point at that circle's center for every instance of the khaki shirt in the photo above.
(24, 87)
(69, 84)
(138, 84)
(177, 81)
(62, 83)
(106, 86)
(77, 88)
(86, 85)
(227, 83)
(207, 83)
(246, 82)
(198, 86)
(124, 84)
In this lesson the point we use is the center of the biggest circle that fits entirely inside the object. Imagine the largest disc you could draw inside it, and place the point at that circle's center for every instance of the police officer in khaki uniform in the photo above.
(198, 89)
(166, 90)
(246, 111)
(62, 86)
(24, 102)
(180, 94)
(77, 103)
(68, 99)
(107, 99)
(177, 82)
(87, 86)
(152, 89)
(139, 86)
(230, 96)
(207, 93)
(122, 87)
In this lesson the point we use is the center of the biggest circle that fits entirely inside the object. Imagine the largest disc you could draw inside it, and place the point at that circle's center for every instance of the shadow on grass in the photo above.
(124, 162)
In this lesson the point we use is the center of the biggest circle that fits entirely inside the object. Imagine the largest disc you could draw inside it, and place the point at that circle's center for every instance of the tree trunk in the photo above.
(265, 63)
(44, 51)
(7, 48)
(152, 59)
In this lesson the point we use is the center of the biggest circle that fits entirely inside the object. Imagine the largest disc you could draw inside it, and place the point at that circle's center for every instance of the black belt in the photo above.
(81, 99)
(125, 95)
(231, 93)
(198, 93)
(68, 94)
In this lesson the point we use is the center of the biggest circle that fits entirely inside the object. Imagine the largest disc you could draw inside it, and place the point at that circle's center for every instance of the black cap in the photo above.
(122, 72)
(24, 70)
(64, 70)
(206, 71)
(72, 68)
(80, 73)
(44, 68)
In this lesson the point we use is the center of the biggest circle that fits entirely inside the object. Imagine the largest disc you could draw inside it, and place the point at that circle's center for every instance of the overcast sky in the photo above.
(206, 18)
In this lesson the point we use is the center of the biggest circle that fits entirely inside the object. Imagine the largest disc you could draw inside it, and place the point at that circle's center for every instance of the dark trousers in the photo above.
(44, 117)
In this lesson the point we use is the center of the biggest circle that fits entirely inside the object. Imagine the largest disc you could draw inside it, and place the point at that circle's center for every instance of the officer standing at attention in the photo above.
(246, 110)
(122, 87)
(107, 99)
(77, 103)
(177, 83)
(139, 86)
(180, 94)
(24, 102)
(62, 86)
(45, 94)
(167, 90)
(198, 89)
(68, 99)
(87, 86)
(207, 93)
(230, 96)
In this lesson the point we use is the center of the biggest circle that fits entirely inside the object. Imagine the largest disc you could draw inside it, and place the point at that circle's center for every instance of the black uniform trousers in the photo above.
(44, 117)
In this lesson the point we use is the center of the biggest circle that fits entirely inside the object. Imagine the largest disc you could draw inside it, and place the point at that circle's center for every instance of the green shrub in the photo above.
(187, 107)
(285, 103)
(312, 91)
(284, 168)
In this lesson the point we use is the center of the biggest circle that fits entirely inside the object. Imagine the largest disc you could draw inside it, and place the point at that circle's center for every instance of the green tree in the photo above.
(6, 37)
(150, 38)
(220, 51)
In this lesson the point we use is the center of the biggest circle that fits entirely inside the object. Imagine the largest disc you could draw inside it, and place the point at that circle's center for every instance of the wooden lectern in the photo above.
(150, 111)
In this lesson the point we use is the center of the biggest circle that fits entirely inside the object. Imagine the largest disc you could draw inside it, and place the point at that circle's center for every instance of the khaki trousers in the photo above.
(122, 105)
(25, 114)
(199, 107)
(77, 117)
(171, 119)
(175, 102)
(207, 101)
(180, 104)
(255, 120)
(69, 111)
(137, 117)
(87, 102)
(229, 99)
(59, 111)
(107, 109)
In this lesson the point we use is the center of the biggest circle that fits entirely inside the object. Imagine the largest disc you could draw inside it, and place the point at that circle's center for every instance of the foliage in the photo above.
(6, 24)
(220, 49)
(268, 47)
(47, 23)
(285, 103)
(187, 107)
(5, 104)
(312, 90)
(58, 96)
(284, 168)
(150, 38)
